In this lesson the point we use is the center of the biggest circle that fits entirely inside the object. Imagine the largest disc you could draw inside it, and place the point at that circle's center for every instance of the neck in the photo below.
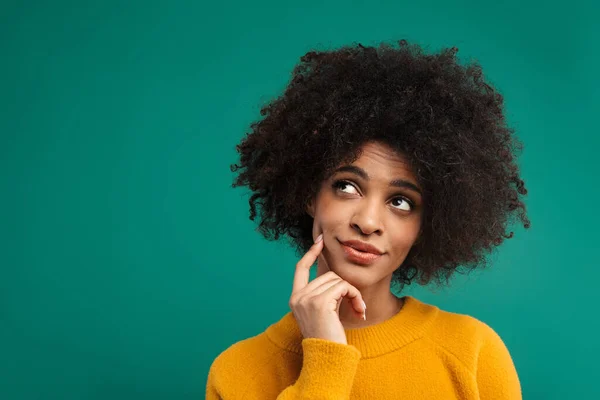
(382, 304)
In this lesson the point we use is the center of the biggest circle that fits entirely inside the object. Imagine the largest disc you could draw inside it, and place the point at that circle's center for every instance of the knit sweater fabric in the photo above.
(422, 352)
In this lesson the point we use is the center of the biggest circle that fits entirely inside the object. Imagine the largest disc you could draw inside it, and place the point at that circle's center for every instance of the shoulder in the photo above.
(466, 338)
(243, 354)
(239, 364)
(453, 324)
(481, 350)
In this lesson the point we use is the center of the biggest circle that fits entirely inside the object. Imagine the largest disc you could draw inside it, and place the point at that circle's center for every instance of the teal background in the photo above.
(127, 261)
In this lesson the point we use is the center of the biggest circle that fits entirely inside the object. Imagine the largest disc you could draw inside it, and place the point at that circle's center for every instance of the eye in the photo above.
(406, 203)
(344, 186)
(339, 185)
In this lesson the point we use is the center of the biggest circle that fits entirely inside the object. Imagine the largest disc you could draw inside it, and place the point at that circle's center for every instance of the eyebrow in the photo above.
(363, 174)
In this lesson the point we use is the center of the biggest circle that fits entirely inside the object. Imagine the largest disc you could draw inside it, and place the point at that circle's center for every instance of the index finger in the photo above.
(302, 273)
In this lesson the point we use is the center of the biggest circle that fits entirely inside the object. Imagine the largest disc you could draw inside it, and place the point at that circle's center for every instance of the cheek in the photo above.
(320, 225)
(327, 220)
(404, 236)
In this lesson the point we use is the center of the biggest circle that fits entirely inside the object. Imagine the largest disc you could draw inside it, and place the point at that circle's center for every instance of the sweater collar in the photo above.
(406, 326)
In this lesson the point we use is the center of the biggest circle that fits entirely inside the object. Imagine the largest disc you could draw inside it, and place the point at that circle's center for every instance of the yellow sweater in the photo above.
(422, 352)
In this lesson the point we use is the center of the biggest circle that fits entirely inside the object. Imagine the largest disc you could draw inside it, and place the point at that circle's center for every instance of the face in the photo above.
(375, 200)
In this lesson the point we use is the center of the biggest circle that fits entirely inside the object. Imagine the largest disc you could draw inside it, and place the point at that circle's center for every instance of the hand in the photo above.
(315, 305)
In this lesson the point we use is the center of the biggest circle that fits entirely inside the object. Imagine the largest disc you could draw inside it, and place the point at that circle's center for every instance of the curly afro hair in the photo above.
(443, 117)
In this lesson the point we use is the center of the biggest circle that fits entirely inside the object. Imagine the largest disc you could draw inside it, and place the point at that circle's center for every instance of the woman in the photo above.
(385, 166)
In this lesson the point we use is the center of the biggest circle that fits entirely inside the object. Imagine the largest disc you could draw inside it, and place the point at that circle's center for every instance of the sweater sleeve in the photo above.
(328, 370)
(497, 377)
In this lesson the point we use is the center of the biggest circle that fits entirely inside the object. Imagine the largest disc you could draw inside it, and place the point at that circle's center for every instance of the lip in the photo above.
(359, 257)
(355, 255)
(362, 247)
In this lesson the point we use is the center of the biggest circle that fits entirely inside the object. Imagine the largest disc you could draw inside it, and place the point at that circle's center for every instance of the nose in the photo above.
(367, 217)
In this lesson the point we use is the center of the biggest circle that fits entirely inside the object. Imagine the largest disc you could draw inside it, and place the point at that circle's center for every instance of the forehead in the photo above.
(382, 162)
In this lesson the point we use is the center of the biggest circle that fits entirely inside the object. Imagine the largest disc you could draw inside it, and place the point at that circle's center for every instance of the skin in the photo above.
(373, 212)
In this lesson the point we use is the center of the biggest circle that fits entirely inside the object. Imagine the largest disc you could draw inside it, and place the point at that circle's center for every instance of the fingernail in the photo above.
(365, 315)
(319, 238)
(364, 304)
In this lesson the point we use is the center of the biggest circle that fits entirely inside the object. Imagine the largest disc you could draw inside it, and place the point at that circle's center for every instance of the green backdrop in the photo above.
(127, 261)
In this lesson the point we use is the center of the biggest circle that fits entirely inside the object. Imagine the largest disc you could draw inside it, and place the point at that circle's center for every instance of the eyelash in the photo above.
(340, 183)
